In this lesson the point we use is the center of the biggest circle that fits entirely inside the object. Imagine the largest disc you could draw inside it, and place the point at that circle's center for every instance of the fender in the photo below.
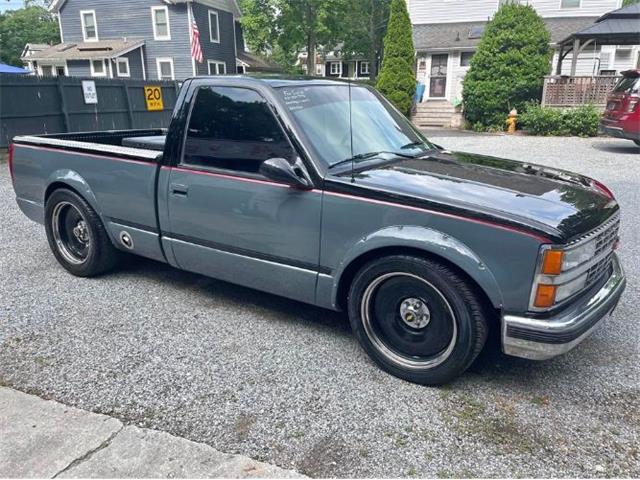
(430, 241)
(73, 179)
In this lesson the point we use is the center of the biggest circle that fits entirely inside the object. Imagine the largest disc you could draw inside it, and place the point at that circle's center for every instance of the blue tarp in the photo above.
(10, 69)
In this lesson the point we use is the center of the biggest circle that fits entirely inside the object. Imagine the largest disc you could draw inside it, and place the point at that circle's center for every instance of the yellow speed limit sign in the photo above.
(153, 95)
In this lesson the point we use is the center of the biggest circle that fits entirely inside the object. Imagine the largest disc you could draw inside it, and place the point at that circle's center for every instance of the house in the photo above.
(143, 39)
(446, 34)
(333, 63)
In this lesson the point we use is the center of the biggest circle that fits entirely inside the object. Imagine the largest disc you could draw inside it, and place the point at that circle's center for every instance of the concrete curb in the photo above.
(43, 438)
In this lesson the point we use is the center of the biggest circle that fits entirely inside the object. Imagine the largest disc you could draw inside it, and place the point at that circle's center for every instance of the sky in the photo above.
(10, 5)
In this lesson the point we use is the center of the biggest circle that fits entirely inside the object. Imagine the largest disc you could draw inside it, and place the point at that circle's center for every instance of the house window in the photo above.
(165, 68)
(98, 68)
(364, 68)
(161, 28)
(61, 71)
(623, 56)
(214, 27)
(569, 3)
(335, 68)
(216, 68)
(465, 58)
(89, 25)
(122, 67)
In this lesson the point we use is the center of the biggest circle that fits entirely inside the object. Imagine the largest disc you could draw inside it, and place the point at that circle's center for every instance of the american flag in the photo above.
(196, 49)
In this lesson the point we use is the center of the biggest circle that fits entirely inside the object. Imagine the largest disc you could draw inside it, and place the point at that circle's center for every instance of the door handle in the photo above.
(179, 189)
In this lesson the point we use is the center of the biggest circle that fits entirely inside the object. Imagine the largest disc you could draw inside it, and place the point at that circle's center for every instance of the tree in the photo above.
(397, 79)
(308, 23)
(32, 24)
(508, 68)
(282, 28)
(258, 25)
(364, 33)
(626, 3)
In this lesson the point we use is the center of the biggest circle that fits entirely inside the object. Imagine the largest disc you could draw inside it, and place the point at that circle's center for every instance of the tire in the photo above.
(76, 235)
(418, 319)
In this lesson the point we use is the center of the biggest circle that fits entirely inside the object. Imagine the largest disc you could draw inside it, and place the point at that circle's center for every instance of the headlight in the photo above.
(570, 288)
(578, 256)
(562, 273)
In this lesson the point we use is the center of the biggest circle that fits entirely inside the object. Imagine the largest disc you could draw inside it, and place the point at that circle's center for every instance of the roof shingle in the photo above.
(456, 35)
(87, 50)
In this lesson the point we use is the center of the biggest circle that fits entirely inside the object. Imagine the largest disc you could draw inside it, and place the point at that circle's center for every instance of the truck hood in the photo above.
(561, 204)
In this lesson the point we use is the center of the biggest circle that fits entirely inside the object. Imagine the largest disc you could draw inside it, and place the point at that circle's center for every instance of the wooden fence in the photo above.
(567, 91)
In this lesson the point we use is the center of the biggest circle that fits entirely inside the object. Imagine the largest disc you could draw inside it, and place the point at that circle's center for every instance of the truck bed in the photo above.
(118, 181)
(136, 144)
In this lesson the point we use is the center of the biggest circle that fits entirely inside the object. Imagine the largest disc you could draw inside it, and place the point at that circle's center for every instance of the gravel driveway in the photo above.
(285, 383)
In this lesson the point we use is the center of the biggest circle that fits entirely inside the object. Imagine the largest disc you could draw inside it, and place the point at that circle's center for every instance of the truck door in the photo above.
(228, 221)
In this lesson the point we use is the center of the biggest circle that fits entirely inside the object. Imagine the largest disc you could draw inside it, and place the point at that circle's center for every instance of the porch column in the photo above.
(574, 58)
(559, 61)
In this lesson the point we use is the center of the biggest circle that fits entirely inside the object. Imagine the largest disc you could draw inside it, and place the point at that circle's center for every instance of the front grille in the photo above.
(605, 237)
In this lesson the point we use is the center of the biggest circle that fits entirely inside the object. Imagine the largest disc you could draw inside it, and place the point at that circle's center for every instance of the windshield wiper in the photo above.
(363, 156)
(412, 144)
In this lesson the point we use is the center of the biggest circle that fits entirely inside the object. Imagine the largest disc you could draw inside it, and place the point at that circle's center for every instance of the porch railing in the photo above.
(565, 91)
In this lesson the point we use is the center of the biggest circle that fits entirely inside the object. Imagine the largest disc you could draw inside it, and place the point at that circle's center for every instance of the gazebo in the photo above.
(618, 27)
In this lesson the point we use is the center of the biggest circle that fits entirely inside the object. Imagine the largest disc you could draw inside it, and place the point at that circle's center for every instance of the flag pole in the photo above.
(190, 15)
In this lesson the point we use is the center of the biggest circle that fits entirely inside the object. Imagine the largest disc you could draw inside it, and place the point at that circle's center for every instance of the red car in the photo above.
(621, 118)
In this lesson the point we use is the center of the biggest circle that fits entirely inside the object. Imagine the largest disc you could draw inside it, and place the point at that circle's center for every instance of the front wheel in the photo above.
(418, 319)
(77, 236)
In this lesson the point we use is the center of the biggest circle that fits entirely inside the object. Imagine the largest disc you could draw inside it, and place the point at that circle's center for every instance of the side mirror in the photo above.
(281, 171)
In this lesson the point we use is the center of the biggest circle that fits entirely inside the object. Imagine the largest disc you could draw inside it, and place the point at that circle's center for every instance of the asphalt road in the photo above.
(285, 383)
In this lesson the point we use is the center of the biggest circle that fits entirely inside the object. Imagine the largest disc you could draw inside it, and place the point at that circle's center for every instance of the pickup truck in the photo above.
(321, 191)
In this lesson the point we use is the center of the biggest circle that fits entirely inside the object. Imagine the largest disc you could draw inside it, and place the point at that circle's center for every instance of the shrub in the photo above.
(581, 121)
(397, 80)
(542, 121)
(508, 68)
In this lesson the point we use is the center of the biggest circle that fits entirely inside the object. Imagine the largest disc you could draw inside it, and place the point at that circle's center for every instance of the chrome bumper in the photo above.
(540, 339)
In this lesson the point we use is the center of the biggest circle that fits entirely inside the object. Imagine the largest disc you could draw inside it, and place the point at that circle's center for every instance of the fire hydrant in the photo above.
(512, 121)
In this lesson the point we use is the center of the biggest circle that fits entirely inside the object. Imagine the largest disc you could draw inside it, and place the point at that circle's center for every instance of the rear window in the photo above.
(628, 85)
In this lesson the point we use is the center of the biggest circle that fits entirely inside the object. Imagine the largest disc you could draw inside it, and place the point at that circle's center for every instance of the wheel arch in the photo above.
(421, 242)
(71, 180)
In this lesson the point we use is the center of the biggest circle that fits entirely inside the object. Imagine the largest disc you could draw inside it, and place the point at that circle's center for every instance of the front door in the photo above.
(438, 75)
(227, 220)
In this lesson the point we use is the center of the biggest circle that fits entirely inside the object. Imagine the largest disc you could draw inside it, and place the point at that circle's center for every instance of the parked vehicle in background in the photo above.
(321, 191)
(621, 118)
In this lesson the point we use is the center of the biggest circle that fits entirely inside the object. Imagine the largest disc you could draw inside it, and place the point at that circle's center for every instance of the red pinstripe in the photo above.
(334, 194)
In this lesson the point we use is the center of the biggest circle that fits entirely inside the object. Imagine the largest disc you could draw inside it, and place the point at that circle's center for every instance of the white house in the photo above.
(447, 32)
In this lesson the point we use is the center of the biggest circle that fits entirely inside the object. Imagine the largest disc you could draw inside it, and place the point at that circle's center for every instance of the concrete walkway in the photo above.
(40, 438)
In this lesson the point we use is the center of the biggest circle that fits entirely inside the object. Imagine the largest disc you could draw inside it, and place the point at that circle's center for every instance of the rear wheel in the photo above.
(417, 318)
(77, 236)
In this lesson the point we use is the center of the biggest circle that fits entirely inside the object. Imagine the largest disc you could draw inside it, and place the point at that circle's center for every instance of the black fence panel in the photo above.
(31, 105)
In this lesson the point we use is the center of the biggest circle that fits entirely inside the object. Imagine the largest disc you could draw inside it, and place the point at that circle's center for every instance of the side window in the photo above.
(233, 129)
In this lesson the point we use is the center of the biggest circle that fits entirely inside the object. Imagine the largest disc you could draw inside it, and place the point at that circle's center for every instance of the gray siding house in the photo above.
(142, 39)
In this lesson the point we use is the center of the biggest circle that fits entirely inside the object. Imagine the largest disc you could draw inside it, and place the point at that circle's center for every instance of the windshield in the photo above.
(322, 112)
(628, 85)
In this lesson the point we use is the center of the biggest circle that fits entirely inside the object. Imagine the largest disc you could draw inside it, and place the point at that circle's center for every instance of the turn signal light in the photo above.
(552, 262)
(545, 296)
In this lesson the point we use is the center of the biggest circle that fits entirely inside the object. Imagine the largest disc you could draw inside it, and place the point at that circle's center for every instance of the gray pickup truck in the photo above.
(322, 192)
